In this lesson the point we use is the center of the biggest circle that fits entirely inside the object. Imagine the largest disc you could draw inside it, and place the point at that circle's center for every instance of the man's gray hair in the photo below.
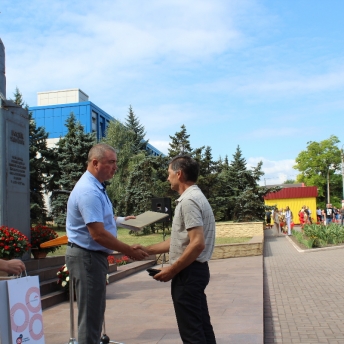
(98, 151)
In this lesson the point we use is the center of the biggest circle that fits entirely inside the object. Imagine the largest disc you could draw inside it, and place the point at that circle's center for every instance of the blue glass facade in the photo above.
(91, 117)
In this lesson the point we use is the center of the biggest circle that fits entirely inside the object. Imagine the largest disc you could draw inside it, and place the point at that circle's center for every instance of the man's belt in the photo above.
(71, 244)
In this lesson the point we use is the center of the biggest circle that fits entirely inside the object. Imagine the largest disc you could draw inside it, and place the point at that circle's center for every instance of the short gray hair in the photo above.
(98, 151)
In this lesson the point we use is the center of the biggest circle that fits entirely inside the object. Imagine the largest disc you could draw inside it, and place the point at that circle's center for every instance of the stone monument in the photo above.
(14, 170)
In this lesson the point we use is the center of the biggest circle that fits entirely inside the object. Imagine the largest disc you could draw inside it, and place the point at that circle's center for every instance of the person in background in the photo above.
(319, 215)
(309, 215)
(288, 218)
(268, 219)
(329, 214)
(302, 217)
(12, 267)
(341, 214)
(277, 228)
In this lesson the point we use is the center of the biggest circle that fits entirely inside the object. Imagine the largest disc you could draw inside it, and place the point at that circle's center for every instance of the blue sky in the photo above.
(265, 75)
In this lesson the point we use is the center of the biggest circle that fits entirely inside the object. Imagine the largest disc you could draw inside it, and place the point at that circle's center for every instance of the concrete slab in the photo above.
(140, 309)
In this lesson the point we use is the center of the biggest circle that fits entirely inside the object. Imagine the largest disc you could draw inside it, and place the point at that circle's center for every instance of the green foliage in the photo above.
(180, 143)
(321, 235)
(146, 180)
(72, 155)
(39, 156)
(316, 162)
(123, 140)
(132, 123)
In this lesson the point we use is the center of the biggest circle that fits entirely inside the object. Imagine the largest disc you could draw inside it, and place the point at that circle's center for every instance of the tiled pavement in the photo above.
(304, 294)
(140, 310)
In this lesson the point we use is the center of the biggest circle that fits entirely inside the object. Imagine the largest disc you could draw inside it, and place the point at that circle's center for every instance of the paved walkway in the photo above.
(303, 293)
(140, 311)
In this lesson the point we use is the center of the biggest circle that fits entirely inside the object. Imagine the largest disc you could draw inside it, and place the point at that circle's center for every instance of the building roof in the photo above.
(298, 192)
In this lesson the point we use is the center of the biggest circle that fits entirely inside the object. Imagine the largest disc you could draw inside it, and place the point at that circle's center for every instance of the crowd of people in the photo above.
(283, 218)
(330, 214)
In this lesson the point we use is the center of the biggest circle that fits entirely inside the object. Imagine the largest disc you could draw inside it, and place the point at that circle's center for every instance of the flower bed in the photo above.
(41, 234)
(319, 235)
(13, 244)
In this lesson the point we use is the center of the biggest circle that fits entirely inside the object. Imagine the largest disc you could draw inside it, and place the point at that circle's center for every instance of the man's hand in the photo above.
(138, 253)
(130, 217)
(15, 267)
(166, 274)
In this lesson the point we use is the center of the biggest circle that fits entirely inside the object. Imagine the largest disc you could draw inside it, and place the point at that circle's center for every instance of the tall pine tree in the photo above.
(72, 161)
(132, 123)
(180, 143)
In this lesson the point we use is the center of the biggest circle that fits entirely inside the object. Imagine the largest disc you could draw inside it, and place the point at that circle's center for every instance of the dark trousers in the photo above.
(190, 304)
(89, 270)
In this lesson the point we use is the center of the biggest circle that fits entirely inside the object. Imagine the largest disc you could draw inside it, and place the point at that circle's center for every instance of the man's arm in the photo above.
(192, 251)
(161, 247)
(106, 239)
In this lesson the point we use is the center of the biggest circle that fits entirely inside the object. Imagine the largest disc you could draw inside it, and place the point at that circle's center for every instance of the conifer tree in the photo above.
(72, 161)
(39, 160)
(122, 139)
(132, 123)
(180, 143)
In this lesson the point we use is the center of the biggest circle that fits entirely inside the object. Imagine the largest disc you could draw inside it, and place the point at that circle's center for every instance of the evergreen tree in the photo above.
(180, 143)
(39, 159)
(146, 180)
(132, 123)
(18, 98)
(72, 161)
(122, 139)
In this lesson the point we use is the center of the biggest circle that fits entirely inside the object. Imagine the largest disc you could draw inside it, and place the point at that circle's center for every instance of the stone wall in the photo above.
(254, 247)
(239, 229)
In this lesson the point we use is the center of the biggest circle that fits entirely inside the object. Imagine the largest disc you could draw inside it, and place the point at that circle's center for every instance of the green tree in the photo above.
(319, 162)
(289, 181)
(180, 143)
(132, 123)
(72, 161)
(122, 139)
(18, 98)
(39, 160)
(146, 180)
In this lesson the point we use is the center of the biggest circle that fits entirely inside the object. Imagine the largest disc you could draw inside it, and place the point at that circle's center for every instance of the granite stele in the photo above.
(14, 170)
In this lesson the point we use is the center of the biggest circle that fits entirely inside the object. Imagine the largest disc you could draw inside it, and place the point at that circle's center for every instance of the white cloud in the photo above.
(161, 145)
(276, 171)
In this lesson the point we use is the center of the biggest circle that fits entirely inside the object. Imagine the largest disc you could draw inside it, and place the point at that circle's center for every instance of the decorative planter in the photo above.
(37, 254)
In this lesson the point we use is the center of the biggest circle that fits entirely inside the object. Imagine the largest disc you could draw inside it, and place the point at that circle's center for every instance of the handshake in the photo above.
(138, 252)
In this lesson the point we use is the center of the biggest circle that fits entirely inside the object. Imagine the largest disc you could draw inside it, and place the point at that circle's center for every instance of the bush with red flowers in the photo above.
(13, 244)
(122, 261)
(41, 234)
(111, 259)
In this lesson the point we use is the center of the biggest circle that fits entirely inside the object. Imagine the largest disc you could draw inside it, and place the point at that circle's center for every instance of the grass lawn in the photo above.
(144, 240)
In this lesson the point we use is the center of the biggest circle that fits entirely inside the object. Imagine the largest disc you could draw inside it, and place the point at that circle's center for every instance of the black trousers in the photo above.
(190, 304)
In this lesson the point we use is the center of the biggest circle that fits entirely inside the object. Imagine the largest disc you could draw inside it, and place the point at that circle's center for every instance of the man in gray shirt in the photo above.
(190, 247)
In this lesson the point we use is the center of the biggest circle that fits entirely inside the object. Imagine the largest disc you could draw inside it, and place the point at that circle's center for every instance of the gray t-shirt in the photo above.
(192, 210)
